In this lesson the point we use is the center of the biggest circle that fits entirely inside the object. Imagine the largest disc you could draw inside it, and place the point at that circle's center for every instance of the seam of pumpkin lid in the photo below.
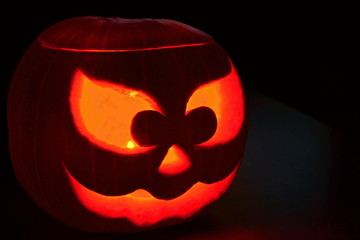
(48, 46)
(78, 36)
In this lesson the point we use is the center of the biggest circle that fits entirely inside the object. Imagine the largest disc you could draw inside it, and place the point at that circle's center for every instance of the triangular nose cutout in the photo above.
(175, 162)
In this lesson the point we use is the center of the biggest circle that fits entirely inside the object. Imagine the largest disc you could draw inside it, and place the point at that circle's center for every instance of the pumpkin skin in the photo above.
(124, 125)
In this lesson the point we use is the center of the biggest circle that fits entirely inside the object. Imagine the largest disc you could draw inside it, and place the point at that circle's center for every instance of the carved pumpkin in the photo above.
(124, 125)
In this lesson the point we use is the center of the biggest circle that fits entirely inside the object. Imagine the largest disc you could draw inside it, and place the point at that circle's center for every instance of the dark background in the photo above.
(303, 55)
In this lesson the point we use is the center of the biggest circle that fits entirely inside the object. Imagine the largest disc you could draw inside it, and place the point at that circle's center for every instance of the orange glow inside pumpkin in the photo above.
(130, 144)
(103, 112)
(142, 209)
(224, 96)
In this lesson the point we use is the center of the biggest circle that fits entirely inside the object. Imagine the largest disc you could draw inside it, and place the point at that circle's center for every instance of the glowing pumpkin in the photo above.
(125, 125)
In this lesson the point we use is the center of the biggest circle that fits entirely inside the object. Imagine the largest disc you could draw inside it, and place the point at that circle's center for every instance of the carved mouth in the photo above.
(143, 209)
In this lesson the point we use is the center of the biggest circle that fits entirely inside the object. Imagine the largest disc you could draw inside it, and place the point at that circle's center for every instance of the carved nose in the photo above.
(175, 161)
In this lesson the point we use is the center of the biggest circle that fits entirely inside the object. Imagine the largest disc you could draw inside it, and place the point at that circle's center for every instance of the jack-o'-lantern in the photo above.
(120, 125)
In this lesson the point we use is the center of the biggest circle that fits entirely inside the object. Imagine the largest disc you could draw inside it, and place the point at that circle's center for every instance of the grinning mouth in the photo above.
(143, 209)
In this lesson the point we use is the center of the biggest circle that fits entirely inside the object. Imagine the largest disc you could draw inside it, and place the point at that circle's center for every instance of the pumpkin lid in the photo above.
(101, 34)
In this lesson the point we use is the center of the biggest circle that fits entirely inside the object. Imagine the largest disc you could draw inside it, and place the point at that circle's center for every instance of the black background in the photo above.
(301, 54)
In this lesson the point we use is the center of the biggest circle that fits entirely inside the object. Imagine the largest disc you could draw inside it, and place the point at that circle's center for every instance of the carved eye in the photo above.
(201, 123)
(146, 128)
(224, 97)
(103, 112)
